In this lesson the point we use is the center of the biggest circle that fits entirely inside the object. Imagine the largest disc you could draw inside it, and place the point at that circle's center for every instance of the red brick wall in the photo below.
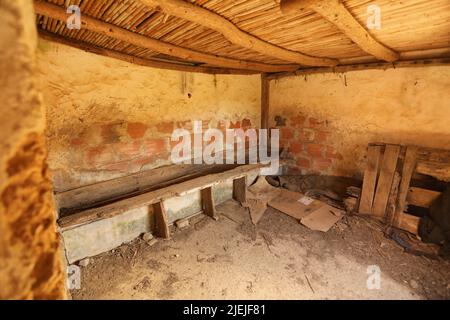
(127, 147)
(305, 144)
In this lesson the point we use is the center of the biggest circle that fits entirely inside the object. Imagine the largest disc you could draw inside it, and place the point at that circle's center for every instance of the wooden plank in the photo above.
(383, 190)
(409, 223)
(439, 170)
(110, 190)
(370, 179)
(212, 20)
(208, 205)
(161, 221)
(336, 13)
(265, 91)
(409, 164)
(240, 189)
(141, 200)
(115, 32)
(421, 197)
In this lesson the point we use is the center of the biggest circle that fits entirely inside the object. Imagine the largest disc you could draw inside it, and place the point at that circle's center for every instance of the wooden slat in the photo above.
(161, 221)
(409, 164)
(370, 179)
(240, 189)
(421, 197)
(208, 205)
(436, 169)
(209, 19)
(335, 12)
(388, 166)
(114, 32)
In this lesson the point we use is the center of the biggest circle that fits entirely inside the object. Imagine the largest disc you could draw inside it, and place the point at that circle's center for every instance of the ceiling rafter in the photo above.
(214, 21)
(112, 31)
(335, 12)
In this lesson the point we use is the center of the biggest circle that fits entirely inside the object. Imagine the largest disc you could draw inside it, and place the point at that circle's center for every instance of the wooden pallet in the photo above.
(387, 190)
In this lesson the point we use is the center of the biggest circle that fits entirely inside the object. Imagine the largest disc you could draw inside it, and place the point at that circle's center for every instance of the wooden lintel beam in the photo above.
(335, 12)
(115, 32)
(136, 60)
(214, 21)
(363, 66)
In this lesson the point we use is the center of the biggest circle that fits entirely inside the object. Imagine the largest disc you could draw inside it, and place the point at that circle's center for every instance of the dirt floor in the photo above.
(278, 259)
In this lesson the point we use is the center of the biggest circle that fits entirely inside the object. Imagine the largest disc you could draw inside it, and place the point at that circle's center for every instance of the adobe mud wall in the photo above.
(108, 118)
(30, 258)
(327, 120)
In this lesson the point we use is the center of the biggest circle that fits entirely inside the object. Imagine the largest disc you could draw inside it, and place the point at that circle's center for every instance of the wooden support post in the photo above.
(161, 222)
(208, 203)
(265, 91)
(240, 189)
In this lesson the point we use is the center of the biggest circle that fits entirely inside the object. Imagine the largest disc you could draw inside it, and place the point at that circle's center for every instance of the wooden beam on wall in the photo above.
(213, 21)
(137, 60)
(114, 32)
(363, 66)
(265, 98)
(335, 12)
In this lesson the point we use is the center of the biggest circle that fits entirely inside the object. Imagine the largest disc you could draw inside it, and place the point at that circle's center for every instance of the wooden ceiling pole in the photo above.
(213, 21)
(335, 12)
(137, 60)
(59, 13)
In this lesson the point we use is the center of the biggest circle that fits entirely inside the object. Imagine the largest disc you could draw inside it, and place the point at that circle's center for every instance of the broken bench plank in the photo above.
(370, 179)
(421, 197)
(388, 166)
(145, 199)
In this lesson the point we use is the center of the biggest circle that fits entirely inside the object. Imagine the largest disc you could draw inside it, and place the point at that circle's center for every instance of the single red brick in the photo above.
(317, 124)
(315, 150)
(154, 147)
(99, 156)
(286, 133)
(321, 164)
(246, 123)
(165, 127)
(119, 166)
(333, 154)
(127, 150)
(321, 136)
(306, 135)
(136, 130)
(303, 163)
(235, 125)
(298, 121)
(296, 147)
(76, 141)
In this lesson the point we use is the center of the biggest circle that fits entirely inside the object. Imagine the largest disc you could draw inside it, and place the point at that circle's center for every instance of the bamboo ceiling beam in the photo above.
(137, 60)
(112, 31)
(335, 12)
(214, 21)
